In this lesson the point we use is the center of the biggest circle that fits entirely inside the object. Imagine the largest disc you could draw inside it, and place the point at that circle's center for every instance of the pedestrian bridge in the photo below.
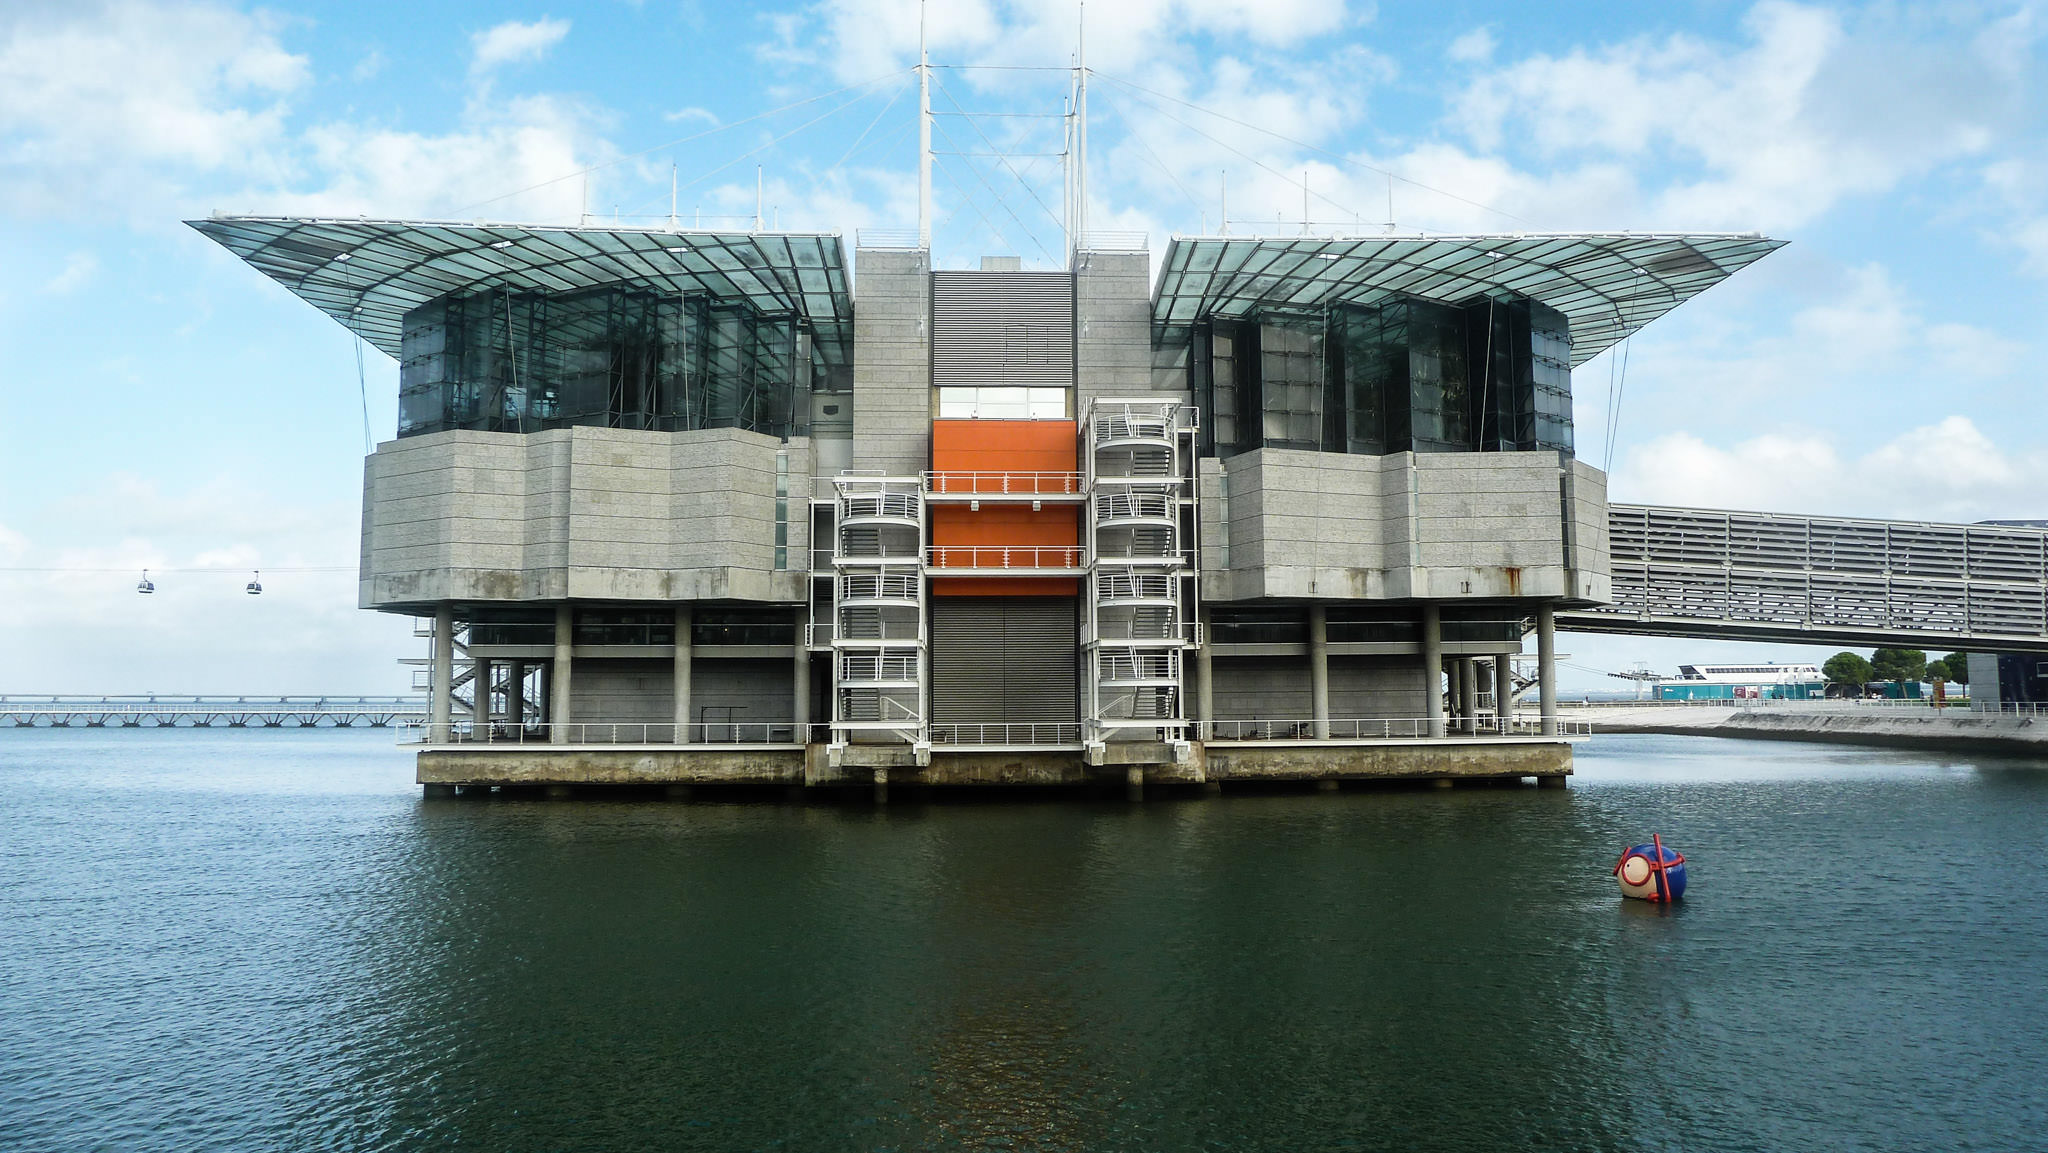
(1686, 572)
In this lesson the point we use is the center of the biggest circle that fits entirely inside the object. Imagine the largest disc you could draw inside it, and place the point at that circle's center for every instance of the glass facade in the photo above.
(1397, 374)
(616, 356)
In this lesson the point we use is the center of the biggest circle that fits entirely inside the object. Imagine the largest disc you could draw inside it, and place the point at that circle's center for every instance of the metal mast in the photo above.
(1081, 128)
(924, 136)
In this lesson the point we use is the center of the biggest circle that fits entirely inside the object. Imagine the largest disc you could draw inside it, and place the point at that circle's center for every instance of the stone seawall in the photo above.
(1952, 730)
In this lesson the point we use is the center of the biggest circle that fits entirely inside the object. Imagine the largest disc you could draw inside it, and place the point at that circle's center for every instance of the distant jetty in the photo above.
(2011, 729)
(201, 712)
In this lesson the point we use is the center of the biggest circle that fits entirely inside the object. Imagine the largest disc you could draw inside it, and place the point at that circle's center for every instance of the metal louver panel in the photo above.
(1004, 659)
(1003, 328)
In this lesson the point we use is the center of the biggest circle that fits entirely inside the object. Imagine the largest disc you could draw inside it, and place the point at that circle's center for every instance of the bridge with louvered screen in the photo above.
(1762, 576)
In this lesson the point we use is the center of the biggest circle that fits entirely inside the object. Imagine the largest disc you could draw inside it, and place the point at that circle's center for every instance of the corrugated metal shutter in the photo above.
(1004, 659)
(1003, 328)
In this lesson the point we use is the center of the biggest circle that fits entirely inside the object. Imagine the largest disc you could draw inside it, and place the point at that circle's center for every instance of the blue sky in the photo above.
(162, 405)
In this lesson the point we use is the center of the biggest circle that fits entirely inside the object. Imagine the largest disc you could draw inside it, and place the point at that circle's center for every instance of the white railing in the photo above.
(1134, 504)
(1112, 586)
(1125, 665)
(877, 667)
(879, 506)
(1112, 241)
(854, 586)
(1383, 729)
(2011, 709)
(1016, 733)
(1132, 425)
(615, 733)
(1039, 557)
(980, 484)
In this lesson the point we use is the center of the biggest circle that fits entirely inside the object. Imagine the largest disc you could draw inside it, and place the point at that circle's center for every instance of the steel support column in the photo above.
(1319, 669)
(558, 702)
(1433, 668)
(443, 674)
(1546, 666)
(685, 620)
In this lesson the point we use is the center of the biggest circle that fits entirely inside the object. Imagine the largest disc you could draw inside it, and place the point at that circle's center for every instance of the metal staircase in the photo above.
(1140, 532)
(879, 630)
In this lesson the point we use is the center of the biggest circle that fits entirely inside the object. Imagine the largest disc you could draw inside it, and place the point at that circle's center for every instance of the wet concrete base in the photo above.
(688, 772)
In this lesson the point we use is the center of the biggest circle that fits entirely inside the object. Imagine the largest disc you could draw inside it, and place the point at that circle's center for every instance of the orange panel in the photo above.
(1005, 446)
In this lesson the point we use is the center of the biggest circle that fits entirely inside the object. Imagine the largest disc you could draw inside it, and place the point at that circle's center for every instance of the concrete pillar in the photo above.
(1503, 691)
(515, 693)
(1469, 677)
(480, 696)
(685, 617)
(1432, 668)
(558, 697)
(1205, 680)
(443, 674)
(1546, 666)
(802, 674)
(1319, 669)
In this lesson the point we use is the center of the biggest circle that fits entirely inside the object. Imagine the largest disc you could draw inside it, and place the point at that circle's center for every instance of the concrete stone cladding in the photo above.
(892, 355)
(1441, 526)
(1277, 688)
(583, 514)
(1113, 329)
(642, 692)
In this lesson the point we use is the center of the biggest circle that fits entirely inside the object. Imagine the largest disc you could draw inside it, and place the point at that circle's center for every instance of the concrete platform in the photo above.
(1546, 758)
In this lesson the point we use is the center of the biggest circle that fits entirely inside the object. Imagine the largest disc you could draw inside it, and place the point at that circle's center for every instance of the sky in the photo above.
(164, 406)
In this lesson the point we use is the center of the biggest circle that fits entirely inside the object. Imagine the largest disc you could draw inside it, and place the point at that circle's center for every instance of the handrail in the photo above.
(1064, 558)
(614, 733)
(1383, 728)
(951, 483)
(1006, 733)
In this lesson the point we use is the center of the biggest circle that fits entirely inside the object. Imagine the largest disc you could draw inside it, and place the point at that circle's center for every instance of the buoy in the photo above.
(1651, 872)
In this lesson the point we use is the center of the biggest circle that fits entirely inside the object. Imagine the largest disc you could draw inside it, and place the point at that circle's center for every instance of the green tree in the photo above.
(1847, 669)
(1937, 670)
(1901, 665)
(1958, 667)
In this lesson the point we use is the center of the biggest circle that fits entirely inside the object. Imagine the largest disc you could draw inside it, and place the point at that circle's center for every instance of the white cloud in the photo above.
(515, 42)
(1812, 107)
(1474, 46)
(368, 67)
(79, 268)
(99, 101)
(530, 142)
(704, 114)
(860, 38)
(1949, 470)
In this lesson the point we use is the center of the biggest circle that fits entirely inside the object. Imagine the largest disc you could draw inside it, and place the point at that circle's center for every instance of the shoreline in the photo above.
(1955, 730)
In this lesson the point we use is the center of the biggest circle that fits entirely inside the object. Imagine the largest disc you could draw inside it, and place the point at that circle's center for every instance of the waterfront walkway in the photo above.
(201, 712)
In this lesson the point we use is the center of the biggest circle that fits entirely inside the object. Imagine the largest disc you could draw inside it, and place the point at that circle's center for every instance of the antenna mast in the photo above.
(1080, 227)
(924, 136)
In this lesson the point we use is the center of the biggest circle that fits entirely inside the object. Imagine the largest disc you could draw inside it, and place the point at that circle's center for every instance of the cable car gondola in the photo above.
(145, 585)
(255, 586)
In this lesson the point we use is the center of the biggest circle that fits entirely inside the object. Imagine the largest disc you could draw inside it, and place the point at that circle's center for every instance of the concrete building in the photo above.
(686, 507)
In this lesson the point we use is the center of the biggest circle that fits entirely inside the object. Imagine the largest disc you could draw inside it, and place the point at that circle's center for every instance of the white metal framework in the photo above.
(1701, 572)
(1138, 454)
(879, 630)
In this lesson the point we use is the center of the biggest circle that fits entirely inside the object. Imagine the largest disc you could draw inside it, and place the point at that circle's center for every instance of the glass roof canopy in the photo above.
(1608, 284)
(367, 274)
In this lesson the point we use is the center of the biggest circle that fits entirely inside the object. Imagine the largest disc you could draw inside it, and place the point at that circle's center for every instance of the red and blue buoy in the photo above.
(1651, 872)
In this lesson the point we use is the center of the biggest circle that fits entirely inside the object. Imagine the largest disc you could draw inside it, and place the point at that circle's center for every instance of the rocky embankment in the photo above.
(1953, 729)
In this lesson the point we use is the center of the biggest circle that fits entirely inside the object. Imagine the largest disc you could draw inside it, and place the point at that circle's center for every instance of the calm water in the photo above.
(264, 940)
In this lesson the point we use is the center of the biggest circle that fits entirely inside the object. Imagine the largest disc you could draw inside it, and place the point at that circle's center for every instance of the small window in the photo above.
(1002, 403)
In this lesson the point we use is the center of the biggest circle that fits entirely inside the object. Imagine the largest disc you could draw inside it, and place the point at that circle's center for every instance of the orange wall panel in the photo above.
(1005, 446)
